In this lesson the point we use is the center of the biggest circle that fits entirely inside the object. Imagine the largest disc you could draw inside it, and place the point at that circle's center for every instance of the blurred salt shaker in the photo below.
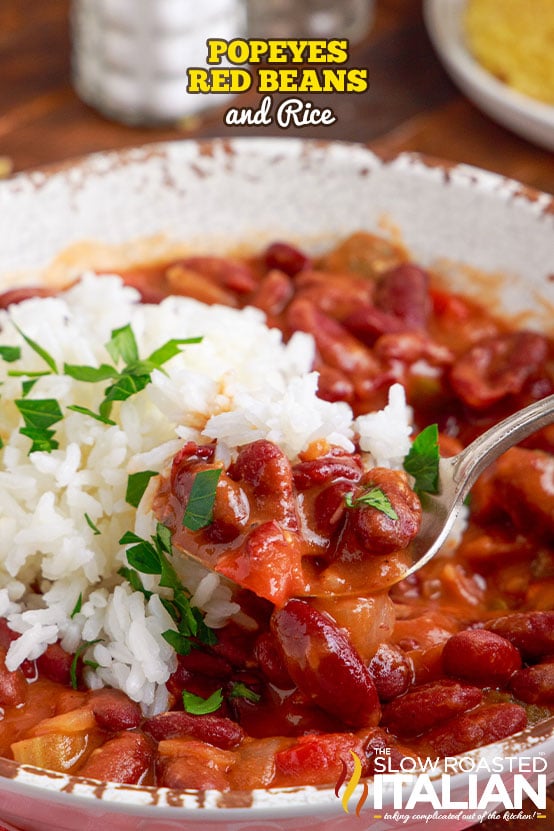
(349, 19)
(130, 56)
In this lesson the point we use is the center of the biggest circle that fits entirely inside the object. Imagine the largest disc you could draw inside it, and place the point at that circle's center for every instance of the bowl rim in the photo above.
(276, 802)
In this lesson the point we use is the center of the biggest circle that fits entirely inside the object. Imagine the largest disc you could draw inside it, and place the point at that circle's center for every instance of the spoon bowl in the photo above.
(457, 475)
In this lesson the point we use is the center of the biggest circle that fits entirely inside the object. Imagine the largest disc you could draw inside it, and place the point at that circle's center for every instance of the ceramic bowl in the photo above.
(116, 208)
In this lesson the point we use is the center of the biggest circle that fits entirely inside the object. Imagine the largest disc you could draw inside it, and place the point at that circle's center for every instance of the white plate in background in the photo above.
(534, 120)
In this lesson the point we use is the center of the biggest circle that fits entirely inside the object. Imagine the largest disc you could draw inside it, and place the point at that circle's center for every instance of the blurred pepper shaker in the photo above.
(130, 56)
(350, 19)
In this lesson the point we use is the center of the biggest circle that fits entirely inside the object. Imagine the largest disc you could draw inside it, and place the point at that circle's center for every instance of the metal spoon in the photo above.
(457, 474)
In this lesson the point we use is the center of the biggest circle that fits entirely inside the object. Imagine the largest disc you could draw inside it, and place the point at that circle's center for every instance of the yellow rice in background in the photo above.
(514, 40)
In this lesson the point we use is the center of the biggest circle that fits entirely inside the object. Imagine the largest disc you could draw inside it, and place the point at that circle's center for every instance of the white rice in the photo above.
(239, 384)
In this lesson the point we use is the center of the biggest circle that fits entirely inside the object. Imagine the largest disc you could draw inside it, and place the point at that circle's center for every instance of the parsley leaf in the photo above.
(422, 462)
(152, 557)
(96, 531)
(10, 353)
(90, 374)
(74, 663)
(27, 386)
(123, 344)
(200, 506)
(91, 413)
(373, 498)
(160, 356)
(135, 375)
(77, 607)
(133, 578)
(199, 706)
(39, 415)
(136, 485)
(240, 690)
(42, 353)
(180, 643)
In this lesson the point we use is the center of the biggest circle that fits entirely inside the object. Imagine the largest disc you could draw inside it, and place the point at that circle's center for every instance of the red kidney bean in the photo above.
(271, 662)
(194, 765)
(336, 346)
(333, 385)
(410, 347)
(13, 686)
(13, 296)
(480, 656)
(534, 685)
(196, 683)
(113, 710)
(286, 258)
(429, 705)
(149, 281)
(530, 632)
(221, 732)
(234, 275)
(236, 644)
(497, 366)
(330, 507)
(204, 663)
(273, 293)
(265, 468)
(521, 490)
(336, 295)
(55, 664)
(326, 468)
(184, 462)
(482, 726)
(231, 509)
(324, 665)
(368, 323)
(368, 530)
(189, 283)
(7, 635)
(392, 672)
(404, 292)
(126, 758)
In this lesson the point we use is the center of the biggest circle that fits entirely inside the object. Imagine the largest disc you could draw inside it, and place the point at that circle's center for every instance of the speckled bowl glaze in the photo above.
(117, 208)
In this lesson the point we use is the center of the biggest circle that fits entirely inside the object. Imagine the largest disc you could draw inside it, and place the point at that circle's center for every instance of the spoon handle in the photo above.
(471, 462)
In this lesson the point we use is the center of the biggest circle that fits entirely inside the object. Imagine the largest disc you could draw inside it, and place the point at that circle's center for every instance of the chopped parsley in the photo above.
(133, 377)
(199, 706)
(373, 498)
(38, 416)
(42, 353)
(75, 662)
(10, 353)
(240, 690)
(152, 557)
(422, 462)
(200, 506)
(126, 381)
(78, 606)
(136, 485)
(96, 531)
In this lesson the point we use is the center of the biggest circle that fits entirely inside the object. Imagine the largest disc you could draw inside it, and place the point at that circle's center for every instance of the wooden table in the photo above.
(411, 105)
